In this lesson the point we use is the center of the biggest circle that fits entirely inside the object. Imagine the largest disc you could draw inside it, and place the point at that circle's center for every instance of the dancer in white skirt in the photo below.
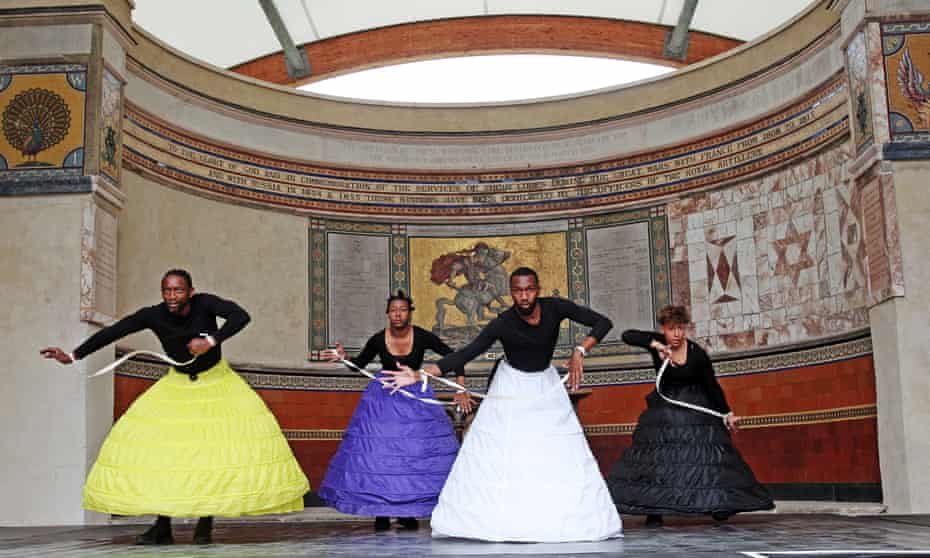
(525, 471)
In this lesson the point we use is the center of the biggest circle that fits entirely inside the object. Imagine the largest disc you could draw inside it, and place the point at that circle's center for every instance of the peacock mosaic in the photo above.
(42, 117)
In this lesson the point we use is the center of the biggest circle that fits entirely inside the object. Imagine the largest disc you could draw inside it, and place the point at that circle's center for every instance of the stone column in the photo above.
(62, 72)
(887, 48)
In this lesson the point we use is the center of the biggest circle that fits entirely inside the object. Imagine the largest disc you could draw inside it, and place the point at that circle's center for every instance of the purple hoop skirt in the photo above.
(394, 457)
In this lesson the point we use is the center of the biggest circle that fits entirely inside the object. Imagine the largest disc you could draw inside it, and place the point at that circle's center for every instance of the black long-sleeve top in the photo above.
(697, 369)
(529, 347)
(422, 341)
(175, 331)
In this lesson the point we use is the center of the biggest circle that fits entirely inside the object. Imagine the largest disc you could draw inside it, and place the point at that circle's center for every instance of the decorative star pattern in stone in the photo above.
(792, 253)
(852, 247)
(723, 280)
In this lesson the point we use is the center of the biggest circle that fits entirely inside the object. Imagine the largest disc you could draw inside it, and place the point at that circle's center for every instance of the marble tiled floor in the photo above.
(743, 536)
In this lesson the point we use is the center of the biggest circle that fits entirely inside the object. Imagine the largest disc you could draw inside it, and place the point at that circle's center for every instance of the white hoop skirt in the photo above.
(525, 472)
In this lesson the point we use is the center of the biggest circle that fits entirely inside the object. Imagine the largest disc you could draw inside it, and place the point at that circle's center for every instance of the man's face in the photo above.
(524, 289)
(176, 293)
(399, 314)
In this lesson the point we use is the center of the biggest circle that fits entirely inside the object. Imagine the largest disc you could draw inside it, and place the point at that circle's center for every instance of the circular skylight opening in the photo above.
(485, 79)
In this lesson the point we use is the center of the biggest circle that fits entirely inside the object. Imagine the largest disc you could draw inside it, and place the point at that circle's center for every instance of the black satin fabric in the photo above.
(683, 462)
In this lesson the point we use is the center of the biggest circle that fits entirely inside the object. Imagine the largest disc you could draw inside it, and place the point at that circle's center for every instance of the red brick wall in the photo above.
(455, 37)
(831, 452)
(827, 452)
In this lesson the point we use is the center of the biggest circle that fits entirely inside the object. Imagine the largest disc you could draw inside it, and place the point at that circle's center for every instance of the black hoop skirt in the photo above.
(683, 462)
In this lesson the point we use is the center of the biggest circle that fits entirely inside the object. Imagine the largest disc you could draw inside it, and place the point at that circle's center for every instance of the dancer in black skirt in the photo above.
(682, 462)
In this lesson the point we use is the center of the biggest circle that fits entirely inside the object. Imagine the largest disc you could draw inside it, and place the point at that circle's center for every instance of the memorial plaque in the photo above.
(98, 265)
(358, 283)
(105, 263)
(620, 276)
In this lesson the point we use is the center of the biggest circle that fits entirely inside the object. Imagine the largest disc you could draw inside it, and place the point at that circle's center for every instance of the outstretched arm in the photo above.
(451, 361)
(129, 324)
(368, 352)
(456, 360)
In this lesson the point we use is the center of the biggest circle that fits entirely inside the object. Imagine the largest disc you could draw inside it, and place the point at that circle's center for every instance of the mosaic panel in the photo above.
(857, 64)
(459, 281)
(42, 117)
(111, 137)
(906, 51)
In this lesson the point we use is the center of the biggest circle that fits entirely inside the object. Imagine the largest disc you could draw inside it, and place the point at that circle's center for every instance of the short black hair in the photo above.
(525, 272)
(399, 295)
(180, 273)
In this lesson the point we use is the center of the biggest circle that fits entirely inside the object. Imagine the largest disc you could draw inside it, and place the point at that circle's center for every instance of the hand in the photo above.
(732, 421)
(665, 352)
(432, 370)
(334, 355)
(406, 376)
(198, 346)
(464, 402)
(57, 354)
(575, 367)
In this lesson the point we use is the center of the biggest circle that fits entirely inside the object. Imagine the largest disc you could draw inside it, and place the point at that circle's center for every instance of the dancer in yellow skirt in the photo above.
(198, 443)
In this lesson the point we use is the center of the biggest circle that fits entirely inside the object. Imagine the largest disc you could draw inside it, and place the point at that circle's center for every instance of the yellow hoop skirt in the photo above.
(189, 449)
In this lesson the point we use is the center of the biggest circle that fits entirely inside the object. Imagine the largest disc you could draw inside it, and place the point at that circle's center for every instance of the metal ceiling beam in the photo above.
(676, 41)
(298, 65)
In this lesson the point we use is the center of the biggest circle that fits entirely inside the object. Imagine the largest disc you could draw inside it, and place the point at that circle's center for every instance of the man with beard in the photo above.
(199, 442)
(525, 471)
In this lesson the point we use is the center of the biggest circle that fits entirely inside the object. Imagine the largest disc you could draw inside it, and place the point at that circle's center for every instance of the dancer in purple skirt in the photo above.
(396, 453)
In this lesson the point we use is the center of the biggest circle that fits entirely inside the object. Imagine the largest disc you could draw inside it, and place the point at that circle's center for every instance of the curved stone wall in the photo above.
(725, 187)
(734, 186)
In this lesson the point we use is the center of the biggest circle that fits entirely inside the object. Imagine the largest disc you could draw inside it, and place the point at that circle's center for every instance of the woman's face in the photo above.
(399, 314)
(674, 334)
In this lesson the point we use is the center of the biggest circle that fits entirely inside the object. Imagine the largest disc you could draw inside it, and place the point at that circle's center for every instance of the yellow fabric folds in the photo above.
(187, 449)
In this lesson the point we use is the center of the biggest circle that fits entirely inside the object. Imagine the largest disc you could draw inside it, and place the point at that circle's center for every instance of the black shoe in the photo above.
(382, 523)
(203, 533)
(409, 523)
(653, 520)
(160, 533)
(721, 515)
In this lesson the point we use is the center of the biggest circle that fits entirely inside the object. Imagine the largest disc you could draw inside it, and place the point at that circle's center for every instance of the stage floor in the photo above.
(752, 535)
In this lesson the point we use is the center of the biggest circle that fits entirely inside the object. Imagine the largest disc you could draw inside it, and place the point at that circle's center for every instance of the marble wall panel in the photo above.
(773, 261)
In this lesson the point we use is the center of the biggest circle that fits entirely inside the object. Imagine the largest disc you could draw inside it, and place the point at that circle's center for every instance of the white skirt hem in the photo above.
(525, 472)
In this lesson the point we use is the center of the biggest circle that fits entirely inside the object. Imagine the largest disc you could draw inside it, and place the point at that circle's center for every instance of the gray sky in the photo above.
(485, 79)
